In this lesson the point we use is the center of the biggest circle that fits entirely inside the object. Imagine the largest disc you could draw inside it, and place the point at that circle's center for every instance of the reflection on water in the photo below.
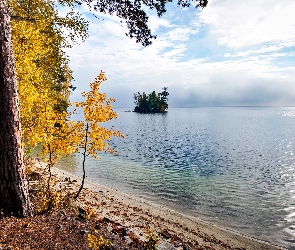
(232, 166)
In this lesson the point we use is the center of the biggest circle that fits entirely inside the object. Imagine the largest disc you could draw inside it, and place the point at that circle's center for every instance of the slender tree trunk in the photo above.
(84, 160)
(13, 185)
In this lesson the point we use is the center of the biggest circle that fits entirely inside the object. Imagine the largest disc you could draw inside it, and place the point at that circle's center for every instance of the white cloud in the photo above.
(242, 23)
(155, 23)
(180, 34)
(209, 75)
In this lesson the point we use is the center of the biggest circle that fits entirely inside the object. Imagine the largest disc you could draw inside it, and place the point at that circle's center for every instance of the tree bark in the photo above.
(13, 184)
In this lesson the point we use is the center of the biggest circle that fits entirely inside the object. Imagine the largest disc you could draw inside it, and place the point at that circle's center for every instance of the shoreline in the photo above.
(138, 215)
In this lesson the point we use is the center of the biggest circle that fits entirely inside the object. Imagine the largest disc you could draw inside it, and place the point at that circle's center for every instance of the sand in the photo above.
(173, 229)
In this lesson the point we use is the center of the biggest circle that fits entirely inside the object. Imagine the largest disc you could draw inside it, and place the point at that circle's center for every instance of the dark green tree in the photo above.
(164, 99)
(152, 103)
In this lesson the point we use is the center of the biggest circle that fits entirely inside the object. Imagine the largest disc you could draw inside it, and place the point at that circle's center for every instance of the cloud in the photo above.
(213, 59)
(242, 23)
(155, 23)
(222, 91)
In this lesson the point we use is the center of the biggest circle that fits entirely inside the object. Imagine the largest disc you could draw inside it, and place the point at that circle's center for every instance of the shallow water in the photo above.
(231, 166)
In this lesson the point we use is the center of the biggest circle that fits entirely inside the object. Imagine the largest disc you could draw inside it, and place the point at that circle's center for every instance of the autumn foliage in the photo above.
(44, 82)
(43, 74)
(96, 109)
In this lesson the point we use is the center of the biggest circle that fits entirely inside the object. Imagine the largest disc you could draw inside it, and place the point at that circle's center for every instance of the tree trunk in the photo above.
(13, 185)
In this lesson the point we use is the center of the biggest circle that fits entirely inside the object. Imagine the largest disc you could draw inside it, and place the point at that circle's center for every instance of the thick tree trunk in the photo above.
(13, 185)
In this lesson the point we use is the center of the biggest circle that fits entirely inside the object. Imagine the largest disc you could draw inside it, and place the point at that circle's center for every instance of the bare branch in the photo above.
(25, 19)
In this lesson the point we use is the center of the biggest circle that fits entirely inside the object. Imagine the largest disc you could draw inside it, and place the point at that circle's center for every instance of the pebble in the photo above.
(109, 227)
(81, 217)
(165, 235)
(83, 231)
(186, 247)
(166, 246)
(125, 231)
(127, 240)
(177, 243)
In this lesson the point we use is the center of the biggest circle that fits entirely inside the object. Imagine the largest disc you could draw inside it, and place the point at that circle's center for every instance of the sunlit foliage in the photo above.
(63, 136)
(59, 135)
(43, 75)
(44, 83)
(97, 109)
(98, 242)
(151, 240)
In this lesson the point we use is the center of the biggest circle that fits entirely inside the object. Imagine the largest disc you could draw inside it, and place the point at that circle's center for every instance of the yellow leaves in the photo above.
(42, 72)
(61, 136)
(97, 109)
(27, 225)
(89, 212)
(152, 240)
(42, 68)
(99, 242)
(46, 203)
(43, 83)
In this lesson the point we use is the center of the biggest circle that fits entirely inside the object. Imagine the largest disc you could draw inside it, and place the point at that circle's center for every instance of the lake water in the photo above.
(234, 166)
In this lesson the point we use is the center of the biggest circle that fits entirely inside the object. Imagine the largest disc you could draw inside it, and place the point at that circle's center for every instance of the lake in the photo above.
(233, 166)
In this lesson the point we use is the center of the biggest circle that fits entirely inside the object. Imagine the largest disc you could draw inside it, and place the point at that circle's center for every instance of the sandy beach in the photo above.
(173, 229)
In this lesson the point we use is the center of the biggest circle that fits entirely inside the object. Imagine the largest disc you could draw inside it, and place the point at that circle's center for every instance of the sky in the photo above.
(231, 53)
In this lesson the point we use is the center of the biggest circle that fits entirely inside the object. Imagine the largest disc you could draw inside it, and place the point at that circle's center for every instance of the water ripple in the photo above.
(233, 166)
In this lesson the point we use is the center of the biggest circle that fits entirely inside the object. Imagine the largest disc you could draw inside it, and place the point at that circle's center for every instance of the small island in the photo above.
(151, 103)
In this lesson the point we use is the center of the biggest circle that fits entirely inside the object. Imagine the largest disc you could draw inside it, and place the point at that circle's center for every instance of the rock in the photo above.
(165, 234)
(81, 217)
(81, 210)
(177, 243)
(166, 246)
(125, 231)
(186, 247)
(83, 231)
(109, 227)
(127, 240)
(62, 213)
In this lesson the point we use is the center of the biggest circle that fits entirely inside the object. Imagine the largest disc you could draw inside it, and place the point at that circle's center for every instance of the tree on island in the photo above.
(152, 103)
(13, 183)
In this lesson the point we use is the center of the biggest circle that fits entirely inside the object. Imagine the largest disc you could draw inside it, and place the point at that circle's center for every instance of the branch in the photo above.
(25, 19)
(84, 159)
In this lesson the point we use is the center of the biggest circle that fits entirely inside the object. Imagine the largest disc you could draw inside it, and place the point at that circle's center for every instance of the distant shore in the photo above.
(138, 215)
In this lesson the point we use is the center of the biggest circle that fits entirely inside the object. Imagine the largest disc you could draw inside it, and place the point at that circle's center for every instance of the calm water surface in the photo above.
(231, 166)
